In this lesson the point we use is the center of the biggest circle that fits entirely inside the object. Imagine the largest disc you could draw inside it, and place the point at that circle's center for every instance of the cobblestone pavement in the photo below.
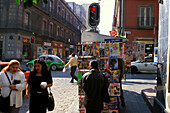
(65, 95)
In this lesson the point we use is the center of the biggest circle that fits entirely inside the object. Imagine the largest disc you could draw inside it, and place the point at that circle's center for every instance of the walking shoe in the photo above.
(71, 81)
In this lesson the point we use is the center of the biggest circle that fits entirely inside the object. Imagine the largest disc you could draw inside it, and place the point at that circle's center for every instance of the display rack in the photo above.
(105, 54)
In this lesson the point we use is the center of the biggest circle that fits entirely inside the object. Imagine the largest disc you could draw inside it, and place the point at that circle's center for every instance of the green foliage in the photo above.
(29, 3)
(18, 2)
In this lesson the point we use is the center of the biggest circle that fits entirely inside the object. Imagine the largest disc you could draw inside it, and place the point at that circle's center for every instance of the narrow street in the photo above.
(66, 94)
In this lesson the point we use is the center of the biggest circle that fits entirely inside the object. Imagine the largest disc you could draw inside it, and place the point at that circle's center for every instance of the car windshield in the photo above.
(56, 58)
(137, 61)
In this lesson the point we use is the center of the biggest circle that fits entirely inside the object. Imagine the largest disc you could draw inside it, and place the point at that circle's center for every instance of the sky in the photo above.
(106, 13)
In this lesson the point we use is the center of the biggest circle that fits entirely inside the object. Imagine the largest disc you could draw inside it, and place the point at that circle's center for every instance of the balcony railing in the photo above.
(147, 22)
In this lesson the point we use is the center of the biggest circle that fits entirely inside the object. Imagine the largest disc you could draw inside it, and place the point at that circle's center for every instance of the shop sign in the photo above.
(25, 40)
(155, 55)
(113, 40)
(61, 45)
(113, 33)
(1, 36)
(71, 46)
(55, 45)
(47, 44)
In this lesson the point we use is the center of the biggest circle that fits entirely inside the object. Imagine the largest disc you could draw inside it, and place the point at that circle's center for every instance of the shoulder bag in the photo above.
(5, 101)
(51, 102)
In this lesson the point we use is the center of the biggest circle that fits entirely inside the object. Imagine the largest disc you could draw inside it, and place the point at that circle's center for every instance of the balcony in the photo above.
(146, 22)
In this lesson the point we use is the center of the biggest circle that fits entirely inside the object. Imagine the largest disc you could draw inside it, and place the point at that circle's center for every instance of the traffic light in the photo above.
(94, 14)
(32, 39)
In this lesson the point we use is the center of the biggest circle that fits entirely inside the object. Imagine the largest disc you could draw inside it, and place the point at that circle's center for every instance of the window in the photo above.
(51, 6)
(44, 26)
(0, 14)
(26, 19)
(58, 31)
(61, 32)
(51, 29)
(44, 5)
(145, 16)
(59, 7)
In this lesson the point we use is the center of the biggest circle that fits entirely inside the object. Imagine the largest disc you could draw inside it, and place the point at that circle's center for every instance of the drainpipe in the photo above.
(121, 27)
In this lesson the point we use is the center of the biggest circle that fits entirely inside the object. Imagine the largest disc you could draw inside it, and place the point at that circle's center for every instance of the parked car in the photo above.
(144, 66)
(53, 61)
(4, 64)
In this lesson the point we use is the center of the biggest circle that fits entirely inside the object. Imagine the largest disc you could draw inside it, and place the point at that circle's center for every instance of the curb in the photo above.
(148, 99)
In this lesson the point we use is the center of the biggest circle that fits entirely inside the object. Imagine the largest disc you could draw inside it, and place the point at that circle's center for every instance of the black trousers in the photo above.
(121, 93)
(92, 111)
(72, 73)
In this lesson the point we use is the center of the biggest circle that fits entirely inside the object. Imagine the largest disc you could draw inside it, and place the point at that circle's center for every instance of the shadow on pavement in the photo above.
(141, 76)
(134, 103)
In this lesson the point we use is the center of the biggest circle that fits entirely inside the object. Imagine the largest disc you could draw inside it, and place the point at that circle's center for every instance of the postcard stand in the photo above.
(107, 56)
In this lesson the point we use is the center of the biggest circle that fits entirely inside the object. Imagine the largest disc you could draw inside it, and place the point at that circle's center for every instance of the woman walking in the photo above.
(18, 84)
(39, 80)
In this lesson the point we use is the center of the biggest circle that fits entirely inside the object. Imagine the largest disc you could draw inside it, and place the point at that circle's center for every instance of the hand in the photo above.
(27, 96)
(42, 86)
(12, 87)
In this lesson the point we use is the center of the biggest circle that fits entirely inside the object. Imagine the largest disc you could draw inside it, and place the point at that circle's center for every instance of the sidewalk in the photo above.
(65, 96)
(148, 96)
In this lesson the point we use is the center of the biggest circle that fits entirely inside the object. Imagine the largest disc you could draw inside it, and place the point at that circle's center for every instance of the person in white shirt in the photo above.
(18, 84)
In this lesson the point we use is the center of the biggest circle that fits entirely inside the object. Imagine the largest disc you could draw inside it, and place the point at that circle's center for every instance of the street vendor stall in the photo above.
(106, 54)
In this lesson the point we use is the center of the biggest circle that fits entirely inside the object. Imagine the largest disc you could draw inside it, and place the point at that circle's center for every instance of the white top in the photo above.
(13, 93)
(16, 96)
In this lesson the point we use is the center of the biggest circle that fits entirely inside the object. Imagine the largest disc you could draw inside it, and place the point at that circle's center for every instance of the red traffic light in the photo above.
(93, 8)
(32, 39)
(94, 14)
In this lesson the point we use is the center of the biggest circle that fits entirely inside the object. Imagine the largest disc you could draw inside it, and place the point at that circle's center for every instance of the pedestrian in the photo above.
(73, 65)
(38, 81)
(121, 66)
(18, 84)
(92, 83)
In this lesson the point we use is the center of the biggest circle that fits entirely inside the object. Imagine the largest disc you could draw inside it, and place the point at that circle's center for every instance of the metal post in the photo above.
(32, 50)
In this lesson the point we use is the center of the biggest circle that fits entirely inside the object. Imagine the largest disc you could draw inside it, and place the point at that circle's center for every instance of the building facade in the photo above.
(138, 20)
(55, 27)
(80, 12)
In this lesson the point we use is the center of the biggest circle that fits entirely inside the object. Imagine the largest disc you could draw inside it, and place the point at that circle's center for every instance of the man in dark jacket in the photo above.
(93, 82)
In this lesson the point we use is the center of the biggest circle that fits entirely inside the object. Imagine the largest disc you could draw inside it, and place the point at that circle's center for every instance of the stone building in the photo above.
(55, 27)
(80, 12)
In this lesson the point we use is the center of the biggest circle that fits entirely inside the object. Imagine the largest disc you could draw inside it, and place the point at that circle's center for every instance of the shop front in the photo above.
(149, 45)
(26, 52)
(47, 49)
(58, 49)
(55, 48)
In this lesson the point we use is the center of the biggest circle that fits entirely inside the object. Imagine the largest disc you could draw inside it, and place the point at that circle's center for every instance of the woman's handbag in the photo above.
(5, 101)
(51, 103)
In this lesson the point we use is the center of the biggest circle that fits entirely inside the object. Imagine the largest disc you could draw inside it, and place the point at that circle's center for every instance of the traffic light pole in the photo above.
(32, 50)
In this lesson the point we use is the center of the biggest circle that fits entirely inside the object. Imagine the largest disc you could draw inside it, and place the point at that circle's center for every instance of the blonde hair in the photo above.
(12, 62)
